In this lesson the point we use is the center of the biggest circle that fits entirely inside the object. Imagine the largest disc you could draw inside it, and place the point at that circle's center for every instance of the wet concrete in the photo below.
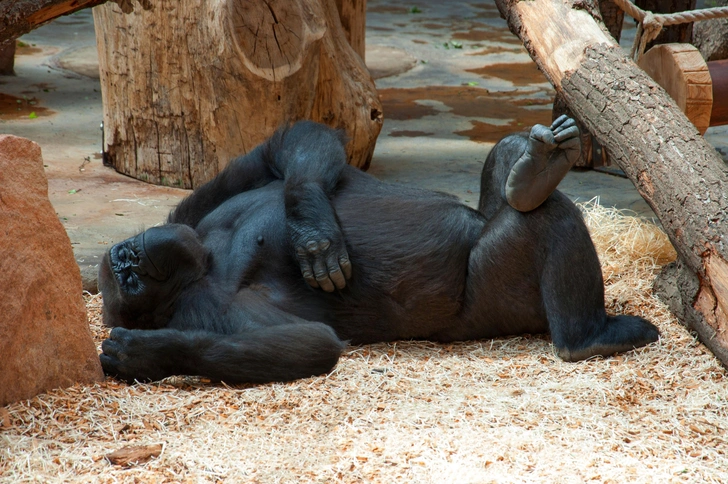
(452, 79)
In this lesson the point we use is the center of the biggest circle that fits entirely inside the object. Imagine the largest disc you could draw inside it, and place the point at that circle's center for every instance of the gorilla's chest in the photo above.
(247, 237)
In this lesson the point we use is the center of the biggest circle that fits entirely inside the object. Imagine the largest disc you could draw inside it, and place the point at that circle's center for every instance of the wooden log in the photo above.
(678, 173)
(190, 84)
(22, 16)
(682, 72)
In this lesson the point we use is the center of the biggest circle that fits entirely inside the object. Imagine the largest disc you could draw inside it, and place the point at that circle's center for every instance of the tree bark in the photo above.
(678, 173)
(190, 84)
(353, 18)
(22, 16)
(613, 17)
(711, 36)
(593, 155)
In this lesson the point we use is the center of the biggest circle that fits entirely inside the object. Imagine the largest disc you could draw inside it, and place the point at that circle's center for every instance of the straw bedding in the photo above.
(505, 410)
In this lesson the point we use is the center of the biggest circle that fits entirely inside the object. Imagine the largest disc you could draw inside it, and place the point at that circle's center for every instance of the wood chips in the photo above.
(506, 410)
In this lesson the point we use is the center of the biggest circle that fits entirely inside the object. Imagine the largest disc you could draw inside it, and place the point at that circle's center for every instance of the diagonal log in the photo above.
(675, 170)
(21, 16)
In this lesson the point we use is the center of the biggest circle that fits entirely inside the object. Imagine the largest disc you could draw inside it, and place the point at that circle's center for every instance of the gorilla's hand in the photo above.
(321, 252)
(550, 153)
(134, 354)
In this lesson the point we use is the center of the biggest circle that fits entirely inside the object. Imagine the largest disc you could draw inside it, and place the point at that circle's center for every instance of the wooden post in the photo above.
(678, 173)
(7, 58)
(190, 84)
(719, 76)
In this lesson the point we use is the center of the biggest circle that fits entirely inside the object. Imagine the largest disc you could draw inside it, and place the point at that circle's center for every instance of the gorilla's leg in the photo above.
(274, 353)
(573, 298)
(549, 155)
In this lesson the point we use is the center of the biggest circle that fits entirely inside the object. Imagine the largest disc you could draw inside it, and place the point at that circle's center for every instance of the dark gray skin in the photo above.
(218, 291)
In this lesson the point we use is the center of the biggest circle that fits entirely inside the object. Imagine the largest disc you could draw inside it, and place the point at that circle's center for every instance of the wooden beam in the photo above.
(22, 16)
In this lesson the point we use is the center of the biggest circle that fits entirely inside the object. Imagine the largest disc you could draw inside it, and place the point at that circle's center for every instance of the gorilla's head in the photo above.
(141, 277)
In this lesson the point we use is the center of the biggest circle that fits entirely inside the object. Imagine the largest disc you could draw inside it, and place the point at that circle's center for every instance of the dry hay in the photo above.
(505, 410)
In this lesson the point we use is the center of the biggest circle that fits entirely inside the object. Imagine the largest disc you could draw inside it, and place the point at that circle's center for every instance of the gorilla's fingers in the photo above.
(109, 364)
(306, 269)
(570, 132)
(345, 265)
(541, 133)
(560, 121)
(109, 347)
(335, 273)
(119, 334)
(322, 275)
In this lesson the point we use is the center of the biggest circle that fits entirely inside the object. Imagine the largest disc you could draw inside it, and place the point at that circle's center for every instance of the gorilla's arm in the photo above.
(309, 158)
(276, 353)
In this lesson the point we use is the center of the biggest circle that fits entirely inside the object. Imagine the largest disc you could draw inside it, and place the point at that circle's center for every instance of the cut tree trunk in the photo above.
(190, 84)
(677, 172)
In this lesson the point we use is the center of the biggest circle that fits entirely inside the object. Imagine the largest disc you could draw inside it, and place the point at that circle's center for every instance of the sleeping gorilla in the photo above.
(218, 292)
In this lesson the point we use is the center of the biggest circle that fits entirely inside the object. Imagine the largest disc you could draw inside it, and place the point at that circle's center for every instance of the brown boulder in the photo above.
(45, 341)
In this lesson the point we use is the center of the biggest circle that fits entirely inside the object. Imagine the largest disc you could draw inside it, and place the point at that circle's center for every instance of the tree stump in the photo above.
(188, 85)
(675, 170)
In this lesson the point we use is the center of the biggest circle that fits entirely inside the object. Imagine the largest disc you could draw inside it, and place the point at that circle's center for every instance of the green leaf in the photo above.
(415, 10)
(472, 83)
(32, 115)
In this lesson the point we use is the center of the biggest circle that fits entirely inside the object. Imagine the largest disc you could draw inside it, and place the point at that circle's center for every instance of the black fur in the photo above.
(263, 273)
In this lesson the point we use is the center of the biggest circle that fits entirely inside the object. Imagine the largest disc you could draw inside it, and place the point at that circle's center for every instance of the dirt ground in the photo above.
(506, 410)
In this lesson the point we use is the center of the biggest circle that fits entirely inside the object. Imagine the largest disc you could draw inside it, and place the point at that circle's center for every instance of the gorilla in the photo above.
(267, 271)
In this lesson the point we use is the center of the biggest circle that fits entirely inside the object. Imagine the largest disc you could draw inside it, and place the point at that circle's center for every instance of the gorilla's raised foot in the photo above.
(549, 155)
(622, 333)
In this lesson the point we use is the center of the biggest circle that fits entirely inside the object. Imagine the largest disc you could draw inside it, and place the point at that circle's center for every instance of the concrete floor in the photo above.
(452, 80)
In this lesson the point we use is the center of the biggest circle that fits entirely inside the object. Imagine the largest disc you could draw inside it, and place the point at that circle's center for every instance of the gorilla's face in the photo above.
(141, 277)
